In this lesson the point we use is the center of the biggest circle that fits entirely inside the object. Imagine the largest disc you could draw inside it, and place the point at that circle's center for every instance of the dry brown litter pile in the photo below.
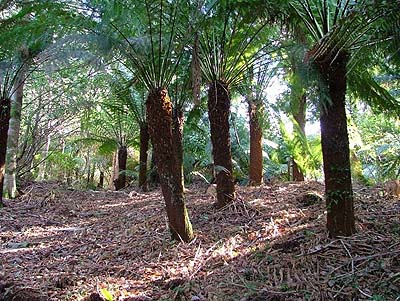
(270, 244)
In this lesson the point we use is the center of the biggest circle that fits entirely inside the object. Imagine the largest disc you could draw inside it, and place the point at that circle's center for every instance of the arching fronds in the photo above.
(365, 87)
(129, 94)
(306, 154)
(110, 120)
(154, 46)
(346, 26)
(229, 48)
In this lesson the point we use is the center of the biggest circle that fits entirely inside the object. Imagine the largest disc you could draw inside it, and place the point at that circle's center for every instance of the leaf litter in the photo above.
(270, 244)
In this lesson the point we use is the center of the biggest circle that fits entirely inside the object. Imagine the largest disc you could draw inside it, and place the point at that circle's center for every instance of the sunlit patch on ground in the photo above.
(268, 245)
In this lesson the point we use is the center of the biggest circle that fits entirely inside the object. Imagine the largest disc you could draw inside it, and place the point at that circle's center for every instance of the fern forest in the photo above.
(199, 150)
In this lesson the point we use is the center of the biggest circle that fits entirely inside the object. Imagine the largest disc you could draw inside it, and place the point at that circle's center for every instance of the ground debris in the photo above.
(269, 244)
(24, 294)
(94, 297)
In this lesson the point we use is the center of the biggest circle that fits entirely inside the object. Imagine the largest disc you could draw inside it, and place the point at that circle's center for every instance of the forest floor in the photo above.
(270, 244)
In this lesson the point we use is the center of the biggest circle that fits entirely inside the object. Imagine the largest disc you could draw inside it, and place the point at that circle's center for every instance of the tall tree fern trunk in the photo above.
(159, 119)
(177, 137)
(300, 116)
(144, 147)
(218, 113)
(122, 157)
(335, 148)
(14, 130)
(256, 155)
(5, 108)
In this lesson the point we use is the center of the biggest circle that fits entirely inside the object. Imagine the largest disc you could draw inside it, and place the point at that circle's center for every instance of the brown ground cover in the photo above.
(271, 244)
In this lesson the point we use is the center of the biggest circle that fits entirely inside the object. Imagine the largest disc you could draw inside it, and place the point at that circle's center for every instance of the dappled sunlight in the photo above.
(266, 240)
(120, 204)
(22, 248)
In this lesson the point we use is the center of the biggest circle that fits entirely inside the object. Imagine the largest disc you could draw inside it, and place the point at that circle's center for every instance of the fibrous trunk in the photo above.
(159, 119)
(335, 149)
(300, 117)
(5, 106)
(177, 137)
(256, 156)
(120, 182)
(218, 114)
(144, 147)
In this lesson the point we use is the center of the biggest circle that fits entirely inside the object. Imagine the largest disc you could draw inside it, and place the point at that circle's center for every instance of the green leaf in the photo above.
(106, 294)
(108, 147)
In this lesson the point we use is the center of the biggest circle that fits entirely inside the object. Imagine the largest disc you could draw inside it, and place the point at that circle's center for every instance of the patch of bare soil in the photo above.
(270, 244)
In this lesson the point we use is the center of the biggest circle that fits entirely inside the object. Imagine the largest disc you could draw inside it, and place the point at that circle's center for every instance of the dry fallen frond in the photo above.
(269, 244)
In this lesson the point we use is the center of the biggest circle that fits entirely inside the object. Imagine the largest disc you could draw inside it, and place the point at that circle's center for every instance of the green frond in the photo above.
(153, 47)
(307, 154)
(230, 45)
(365, 87)
(343, 25)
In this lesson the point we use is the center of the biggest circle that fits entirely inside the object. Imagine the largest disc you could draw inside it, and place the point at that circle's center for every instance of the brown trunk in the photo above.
(114, 173)
(5, 107)
(144, 147)
(92, 172)
(256, 155)
(177, 137)
(300, 117)
(120, 182)
(87, 169)
(153, 177)
(335, 149)
(159, 119)
(298, 175)
(101, 180)
(218, 114)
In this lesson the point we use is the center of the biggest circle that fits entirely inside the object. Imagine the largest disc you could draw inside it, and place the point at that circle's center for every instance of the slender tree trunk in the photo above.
(101, 180)
(159, 119)
(299, 99)
(196, 70)
(43, 165)
(144, 147)
(114, 173)
(5, 108)
(177, 141)
(87, 168)
(335, 148)
(69, 177)
(92, 172)
(256, 155)
(218, 113)
(120, 182)
(14, 130)
(300, 117)
(154, 178)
